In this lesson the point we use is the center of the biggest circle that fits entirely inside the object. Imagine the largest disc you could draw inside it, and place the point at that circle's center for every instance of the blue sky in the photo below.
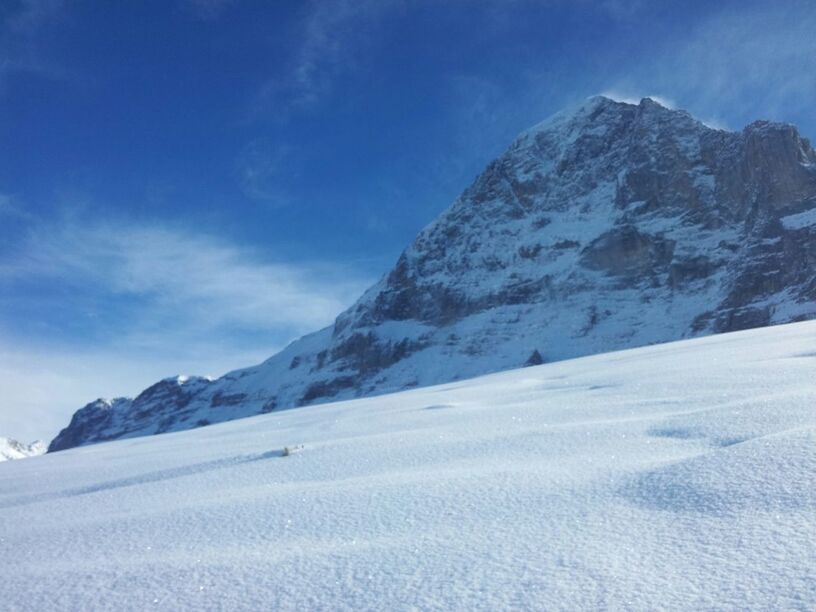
(187, 185)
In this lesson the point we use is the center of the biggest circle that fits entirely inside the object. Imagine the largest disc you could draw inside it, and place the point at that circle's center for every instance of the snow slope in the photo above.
(676, 476)
(12, 449)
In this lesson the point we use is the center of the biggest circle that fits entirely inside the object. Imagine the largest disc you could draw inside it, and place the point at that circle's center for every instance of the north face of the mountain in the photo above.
(610, 226)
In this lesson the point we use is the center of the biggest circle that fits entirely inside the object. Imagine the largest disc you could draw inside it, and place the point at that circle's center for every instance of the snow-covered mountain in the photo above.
(669, 477)
(610, 226)
(12, 449)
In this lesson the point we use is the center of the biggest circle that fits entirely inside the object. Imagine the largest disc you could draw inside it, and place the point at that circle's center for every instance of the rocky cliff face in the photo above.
(607, 227)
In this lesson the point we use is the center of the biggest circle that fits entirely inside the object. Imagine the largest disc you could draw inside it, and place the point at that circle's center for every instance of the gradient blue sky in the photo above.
(187, 185)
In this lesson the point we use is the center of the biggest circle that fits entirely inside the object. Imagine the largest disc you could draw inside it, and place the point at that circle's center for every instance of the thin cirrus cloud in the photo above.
(21, 31)
(264, 168)
(328, 38)
(210, 282)
(749, 64)
(207, 10)
(10, 208)
(764, 59)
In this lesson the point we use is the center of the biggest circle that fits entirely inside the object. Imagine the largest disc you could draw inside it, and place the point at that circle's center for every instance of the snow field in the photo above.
(677, 476)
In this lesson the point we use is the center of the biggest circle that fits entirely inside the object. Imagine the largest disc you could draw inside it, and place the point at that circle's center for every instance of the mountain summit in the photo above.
(611, 226)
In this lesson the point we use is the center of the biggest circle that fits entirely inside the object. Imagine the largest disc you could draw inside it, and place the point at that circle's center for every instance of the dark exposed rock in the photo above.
(693, 268)
(327, 388)
(625, 251)
(742, 318)
(534, 359)
(226, 399)
(530, 251)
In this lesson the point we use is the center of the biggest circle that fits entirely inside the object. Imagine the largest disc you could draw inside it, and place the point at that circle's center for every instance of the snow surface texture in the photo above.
(12, 449)
(678, 476)
(611, 226)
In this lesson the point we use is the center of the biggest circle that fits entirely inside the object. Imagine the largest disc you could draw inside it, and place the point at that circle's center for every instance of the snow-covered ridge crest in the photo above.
(610, 226)
(12, 449)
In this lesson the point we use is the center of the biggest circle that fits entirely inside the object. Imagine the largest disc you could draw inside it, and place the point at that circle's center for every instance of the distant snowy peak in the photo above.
(609, 226)
(12, 449)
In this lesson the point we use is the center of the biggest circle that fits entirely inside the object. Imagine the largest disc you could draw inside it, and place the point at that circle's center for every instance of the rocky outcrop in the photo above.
(610, 226)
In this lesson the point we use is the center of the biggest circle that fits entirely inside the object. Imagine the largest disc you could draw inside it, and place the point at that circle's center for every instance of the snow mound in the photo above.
(764, 474)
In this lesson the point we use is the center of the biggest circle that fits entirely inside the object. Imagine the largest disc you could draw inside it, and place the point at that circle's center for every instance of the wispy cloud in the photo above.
(207, 10)
(331, 32)
(328, 43)
(264, 168)
(621, 10)
(206, 280)
(21, 29)
(737, 63)
(332, 37)
(10, 207)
